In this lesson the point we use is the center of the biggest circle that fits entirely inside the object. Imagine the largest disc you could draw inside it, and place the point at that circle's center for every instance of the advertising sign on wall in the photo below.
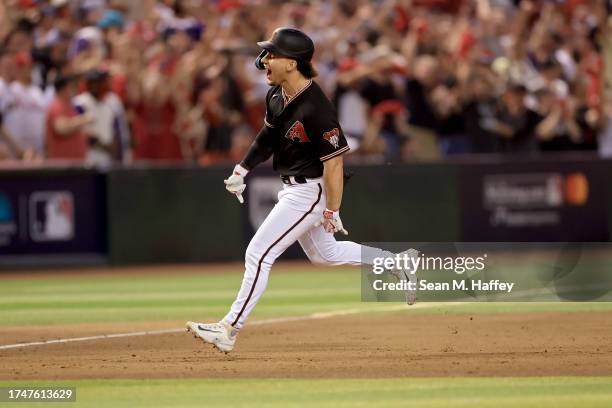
(59, 214)
(563, 201)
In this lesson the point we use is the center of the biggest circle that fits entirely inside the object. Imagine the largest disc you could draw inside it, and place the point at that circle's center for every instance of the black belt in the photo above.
(294, 179)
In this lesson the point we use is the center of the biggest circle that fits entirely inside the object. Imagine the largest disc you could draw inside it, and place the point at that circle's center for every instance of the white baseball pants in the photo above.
(299, 207)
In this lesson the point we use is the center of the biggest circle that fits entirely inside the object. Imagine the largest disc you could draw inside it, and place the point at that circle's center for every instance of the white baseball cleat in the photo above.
(221, 335)
(407, 275)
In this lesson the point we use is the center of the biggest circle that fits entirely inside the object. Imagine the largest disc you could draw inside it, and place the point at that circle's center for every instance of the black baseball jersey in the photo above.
(301, 132)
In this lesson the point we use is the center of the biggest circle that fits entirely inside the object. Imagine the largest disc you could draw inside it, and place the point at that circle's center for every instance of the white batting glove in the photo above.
(331, 222)
(235, 183)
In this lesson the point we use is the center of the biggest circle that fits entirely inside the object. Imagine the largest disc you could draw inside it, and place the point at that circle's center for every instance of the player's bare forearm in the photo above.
(333, 176)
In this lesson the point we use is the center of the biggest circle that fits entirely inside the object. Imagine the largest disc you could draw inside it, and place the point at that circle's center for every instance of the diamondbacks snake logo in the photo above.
(333, 137)
(297, 133)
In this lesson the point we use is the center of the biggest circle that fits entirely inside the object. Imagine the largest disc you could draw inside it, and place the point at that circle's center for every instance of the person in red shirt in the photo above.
(159, 101)
(65, 139)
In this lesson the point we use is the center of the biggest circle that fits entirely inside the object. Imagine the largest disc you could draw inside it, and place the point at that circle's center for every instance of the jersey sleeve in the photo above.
(261, 149)
(326, 134)
(268, 121)
(265, 142)
(80, 104)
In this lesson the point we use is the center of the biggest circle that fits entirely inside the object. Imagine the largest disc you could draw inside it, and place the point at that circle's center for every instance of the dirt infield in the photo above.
(373, 345)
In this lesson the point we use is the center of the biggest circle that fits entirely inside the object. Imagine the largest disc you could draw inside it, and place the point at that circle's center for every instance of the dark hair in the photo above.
(179, 8)
(517, 88)
(305, 68)
(62, 81)
(167, 33)
(24, 25)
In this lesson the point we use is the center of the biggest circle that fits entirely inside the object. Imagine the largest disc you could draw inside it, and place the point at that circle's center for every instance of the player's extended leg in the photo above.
(299, 207)
(322, 248)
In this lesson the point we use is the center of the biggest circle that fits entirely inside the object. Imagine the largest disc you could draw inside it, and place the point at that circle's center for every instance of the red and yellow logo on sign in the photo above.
(576, 189)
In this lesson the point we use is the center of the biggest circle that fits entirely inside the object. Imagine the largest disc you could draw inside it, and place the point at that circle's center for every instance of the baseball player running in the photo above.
(301, 131)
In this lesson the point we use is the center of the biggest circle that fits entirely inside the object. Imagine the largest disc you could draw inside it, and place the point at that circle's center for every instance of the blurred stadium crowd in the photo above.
(111, 81)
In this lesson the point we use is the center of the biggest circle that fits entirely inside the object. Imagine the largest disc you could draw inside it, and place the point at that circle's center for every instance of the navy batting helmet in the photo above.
(288, 42)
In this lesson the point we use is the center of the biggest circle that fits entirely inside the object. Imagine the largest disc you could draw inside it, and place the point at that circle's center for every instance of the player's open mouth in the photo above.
(268, 73)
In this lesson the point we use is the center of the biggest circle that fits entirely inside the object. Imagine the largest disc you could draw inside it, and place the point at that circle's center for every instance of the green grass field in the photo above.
(90, 299)
(530, 392)
(177, 296)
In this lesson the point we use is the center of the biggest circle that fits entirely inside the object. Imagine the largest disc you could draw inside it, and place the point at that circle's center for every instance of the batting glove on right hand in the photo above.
(331, 222)
(235, 183)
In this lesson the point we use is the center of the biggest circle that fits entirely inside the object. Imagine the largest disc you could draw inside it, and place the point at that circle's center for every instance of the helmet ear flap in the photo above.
(258, 63)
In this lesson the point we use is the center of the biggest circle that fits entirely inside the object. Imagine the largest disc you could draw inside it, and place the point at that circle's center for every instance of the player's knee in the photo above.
(316, 259)
(255, 255)
(322, 257)
(252, 255)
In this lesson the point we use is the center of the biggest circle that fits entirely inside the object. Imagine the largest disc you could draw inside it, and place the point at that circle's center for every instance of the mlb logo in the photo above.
(51, 216)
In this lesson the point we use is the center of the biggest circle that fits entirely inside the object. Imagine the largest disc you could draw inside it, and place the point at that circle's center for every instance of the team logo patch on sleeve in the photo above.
(333, 137)
(297, 133)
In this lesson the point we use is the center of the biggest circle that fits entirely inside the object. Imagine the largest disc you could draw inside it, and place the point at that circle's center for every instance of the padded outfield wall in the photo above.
(154, 214)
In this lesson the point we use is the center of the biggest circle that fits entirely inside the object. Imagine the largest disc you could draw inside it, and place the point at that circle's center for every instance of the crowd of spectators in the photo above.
(111, 81)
